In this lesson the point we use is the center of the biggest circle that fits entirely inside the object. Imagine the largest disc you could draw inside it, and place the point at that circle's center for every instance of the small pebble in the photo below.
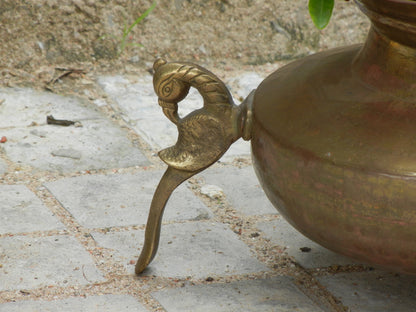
(212, 191)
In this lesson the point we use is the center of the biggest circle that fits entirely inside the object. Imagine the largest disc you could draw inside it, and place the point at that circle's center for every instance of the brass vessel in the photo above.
(333, 140)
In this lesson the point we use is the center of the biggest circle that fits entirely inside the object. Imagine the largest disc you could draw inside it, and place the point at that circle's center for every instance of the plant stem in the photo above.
(126, 30)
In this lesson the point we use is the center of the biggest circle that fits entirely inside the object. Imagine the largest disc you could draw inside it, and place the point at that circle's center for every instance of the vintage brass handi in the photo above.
(333, 140)
(203, 136)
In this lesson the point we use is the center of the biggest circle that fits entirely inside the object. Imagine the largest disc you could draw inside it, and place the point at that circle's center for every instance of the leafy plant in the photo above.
(321, 11)
(123, 41)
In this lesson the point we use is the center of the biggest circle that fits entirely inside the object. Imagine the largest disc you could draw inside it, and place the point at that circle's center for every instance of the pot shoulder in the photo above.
(319, 106)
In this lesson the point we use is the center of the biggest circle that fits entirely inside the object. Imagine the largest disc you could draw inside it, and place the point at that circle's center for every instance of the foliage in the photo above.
(123, 41)
(321, 11)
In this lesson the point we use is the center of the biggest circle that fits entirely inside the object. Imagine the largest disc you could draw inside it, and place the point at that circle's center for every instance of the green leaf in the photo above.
(321, 11)
(141, 17)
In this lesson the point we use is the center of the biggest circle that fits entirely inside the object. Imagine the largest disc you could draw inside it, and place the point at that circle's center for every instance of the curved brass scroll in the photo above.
(203, 136)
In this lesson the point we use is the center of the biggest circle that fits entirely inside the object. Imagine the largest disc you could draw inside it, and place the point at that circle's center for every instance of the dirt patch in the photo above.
(39, 36)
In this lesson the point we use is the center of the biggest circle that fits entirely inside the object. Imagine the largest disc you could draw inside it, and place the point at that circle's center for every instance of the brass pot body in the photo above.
(334, 141)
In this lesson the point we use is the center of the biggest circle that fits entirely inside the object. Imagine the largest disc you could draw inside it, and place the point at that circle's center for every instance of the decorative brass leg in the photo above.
(203, 136)
(169, 182)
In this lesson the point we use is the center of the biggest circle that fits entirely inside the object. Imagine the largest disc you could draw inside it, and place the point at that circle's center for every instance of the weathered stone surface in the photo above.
(28, 262)
(118, 200)
(140, 109)
(245, 83)
(25, 107)
(3, 167)
(105, 303)
(197, 249)
(377, 291)
(283, 234)
(241, 188)
(22, 211)
(277, 294)
(97, 145)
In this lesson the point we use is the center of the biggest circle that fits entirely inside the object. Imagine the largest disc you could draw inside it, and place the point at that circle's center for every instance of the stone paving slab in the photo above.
(281, 233)
(376, 291)
(105, 303)
(139, 105)
(3, 165)
(119, 200)
(28, 262)
(22, 107)
(239, 148)
(97, 145)
(197, 249)
(22, 211)
(241, 188)
(277, 294)
(244, 84)
(140, 108)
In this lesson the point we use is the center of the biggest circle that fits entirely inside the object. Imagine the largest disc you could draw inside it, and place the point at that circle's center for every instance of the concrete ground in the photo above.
(74, 203)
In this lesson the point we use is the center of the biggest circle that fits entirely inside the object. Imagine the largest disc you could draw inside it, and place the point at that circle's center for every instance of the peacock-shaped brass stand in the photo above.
(203, 136)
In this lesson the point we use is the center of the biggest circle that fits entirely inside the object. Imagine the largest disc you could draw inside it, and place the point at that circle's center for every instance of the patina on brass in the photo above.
(203, 136)
(333, 140)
